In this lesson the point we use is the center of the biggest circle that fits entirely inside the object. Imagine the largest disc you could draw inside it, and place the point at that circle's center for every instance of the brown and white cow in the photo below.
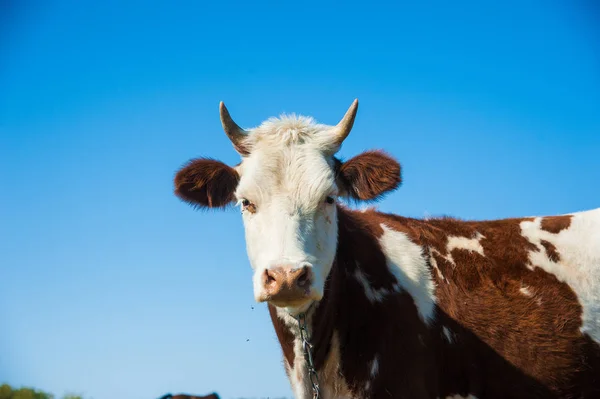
(400, 307)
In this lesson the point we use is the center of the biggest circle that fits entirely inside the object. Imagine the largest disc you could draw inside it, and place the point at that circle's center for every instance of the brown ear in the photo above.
(369, 175)
(206, 183)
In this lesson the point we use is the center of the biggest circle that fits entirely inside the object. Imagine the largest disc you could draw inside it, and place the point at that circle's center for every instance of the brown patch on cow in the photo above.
(361, 338)
(555, 224)
(206, 183)
(369, 175)
(358, 322)
(504, 343)
(481, 300)
(551, 251)
(284, 335)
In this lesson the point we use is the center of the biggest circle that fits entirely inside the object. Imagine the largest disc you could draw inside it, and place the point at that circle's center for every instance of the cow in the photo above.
(185, 396)
(400, 307)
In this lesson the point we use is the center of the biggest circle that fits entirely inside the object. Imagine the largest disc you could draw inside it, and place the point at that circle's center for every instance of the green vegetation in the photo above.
(8, 392)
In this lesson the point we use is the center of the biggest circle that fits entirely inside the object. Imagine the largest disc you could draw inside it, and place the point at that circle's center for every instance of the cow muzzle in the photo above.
(286, 286)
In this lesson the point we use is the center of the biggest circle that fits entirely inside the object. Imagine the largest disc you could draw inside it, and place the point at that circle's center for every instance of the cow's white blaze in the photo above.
(287, 178)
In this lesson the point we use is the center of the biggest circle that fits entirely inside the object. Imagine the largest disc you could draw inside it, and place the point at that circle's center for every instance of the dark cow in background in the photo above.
(183, 396)
(399, 307)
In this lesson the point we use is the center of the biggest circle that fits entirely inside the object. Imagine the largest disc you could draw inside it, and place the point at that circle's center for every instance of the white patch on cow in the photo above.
(330, 378)
(367, 208)
(455, 242)
(435, 266)
(374, 366)
(372, 294)
(528, 291)
(287, 177)
(298, 376)
(332, 382)
(525, 291)
(579, 264)
(288, 367)
(406, 262)
(291, 129)
(468, 244)
(447, 257)
(373, 371)
(448, 334)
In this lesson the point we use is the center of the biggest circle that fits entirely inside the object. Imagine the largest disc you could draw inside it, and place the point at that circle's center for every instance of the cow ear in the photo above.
(369, 175)
(206, 183)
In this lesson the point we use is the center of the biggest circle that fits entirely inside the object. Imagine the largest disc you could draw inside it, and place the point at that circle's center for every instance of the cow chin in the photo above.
(296, 307)
(292, 304)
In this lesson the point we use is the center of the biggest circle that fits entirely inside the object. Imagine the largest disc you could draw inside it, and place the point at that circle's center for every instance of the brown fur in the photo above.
(504, 344)
(359, 324)
(369, 175)
(206, 183)
(551, 251)
(554, 224)
(285, 337)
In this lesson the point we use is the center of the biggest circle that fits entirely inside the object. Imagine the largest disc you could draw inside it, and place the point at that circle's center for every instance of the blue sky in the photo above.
(113, 288)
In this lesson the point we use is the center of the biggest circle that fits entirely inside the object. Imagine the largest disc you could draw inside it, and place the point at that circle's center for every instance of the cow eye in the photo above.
(248, 206)
(330, 200)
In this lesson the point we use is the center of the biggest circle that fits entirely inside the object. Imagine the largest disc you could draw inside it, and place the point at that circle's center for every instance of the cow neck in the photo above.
(357, 244)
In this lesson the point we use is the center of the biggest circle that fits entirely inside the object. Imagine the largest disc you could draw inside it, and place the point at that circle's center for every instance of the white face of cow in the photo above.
(287, 186)
(287, 194)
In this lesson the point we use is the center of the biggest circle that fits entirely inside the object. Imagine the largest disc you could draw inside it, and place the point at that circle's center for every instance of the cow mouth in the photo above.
(298, 303)
(291, 302)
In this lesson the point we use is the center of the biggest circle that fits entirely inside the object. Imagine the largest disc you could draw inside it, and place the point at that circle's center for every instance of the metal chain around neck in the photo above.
(307, 346)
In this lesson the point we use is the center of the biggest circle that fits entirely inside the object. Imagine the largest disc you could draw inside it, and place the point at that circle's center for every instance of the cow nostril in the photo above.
(304, 278)
(269, 278)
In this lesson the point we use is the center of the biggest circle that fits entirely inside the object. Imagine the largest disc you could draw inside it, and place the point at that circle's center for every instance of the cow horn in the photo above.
(235, 133)
(342, 129)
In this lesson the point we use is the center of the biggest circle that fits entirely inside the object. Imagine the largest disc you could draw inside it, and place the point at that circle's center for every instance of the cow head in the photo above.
(287, 185)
